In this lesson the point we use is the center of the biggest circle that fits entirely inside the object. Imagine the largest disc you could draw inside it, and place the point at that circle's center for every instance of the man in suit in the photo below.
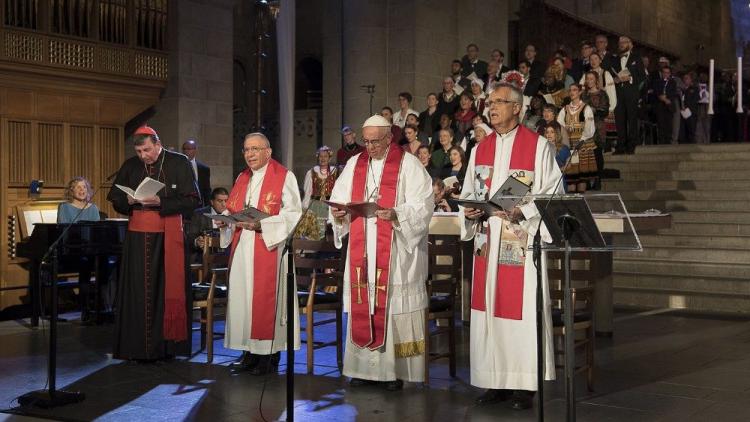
(470, 63)
(200, 224)
(581, 65)
(498, 57)
(608, 59)
(536, 71)
(667, 100)
(628, 69)
(202, 172)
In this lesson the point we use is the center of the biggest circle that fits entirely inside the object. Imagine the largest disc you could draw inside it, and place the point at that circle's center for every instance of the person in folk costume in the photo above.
(152, 320)
(317, 188)
(384, 282)
(577, 119)
(503, 306)
(256, 315)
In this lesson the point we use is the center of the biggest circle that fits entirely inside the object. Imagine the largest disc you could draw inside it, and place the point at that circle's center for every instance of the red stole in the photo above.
(175, 316)
(370, 330)
(265, 268)
(510, 268)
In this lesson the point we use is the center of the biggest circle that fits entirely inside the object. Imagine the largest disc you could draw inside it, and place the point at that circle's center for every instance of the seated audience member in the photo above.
(442, 204)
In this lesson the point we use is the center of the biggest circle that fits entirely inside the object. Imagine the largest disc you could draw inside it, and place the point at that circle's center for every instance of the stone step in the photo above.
(679, 156)
(620, 185)
(739, 217)
(686, 205)
(685, 253)
(707, 229)
(685, 148)
(703, 285)
(696, 240)
(684, 269)
(666, 165)
(690, 195)
(712, 175)
(681, 299)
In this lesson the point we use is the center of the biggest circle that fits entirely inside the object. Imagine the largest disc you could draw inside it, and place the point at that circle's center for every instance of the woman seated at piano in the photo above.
(77, 197)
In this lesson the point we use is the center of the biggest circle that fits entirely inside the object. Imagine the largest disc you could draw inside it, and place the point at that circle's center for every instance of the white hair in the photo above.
(258, 135)
(516, 95)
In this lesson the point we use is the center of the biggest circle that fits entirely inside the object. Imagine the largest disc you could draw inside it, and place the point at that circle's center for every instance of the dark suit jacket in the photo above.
(635, 66)
(578, 68)
(480, 67)
(199, 224)
(204, 181)
(668, 88)
(536, 72)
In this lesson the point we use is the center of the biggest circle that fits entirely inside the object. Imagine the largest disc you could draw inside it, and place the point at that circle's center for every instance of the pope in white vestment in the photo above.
(400, 357)
(503, 341)
(254, 188)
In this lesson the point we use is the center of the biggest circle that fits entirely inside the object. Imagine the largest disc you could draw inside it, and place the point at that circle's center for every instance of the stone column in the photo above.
(198, 100)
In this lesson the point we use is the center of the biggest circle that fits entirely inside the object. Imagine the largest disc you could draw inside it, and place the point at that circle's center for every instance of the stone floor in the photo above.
(659, 366)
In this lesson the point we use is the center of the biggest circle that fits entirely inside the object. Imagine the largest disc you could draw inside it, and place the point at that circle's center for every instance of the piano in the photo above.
(97, 239)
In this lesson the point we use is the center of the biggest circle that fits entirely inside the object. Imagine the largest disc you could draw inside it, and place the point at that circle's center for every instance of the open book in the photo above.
(357, 209)
(248, 214)
(148, 188)
(508, 196)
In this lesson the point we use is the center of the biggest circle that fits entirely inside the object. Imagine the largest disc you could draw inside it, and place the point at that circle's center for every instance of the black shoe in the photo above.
(246, 362)
(359, 382)
(492, 396)
(267, 364)
(521, 400)
(394, 385)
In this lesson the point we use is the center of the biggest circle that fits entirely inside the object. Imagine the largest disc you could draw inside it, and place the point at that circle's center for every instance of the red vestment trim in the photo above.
(175, 314)
(510, 278)
(370, 330)
(265, 262)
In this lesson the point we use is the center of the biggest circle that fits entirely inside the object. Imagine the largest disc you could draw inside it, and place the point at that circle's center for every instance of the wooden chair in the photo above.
(583, 329)
(319, 274)
(211, 292)
(582, 292)
(444, 254)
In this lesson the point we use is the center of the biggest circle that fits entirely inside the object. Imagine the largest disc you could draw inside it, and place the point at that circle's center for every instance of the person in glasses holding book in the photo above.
(503, 313)
(256, 316)
(152, 319)
(384, 282)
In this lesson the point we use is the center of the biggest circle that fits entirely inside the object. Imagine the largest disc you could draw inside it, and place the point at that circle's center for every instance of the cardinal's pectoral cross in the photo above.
(359, 285)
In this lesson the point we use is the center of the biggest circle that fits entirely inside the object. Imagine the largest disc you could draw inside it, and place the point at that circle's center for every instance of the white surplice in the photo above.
(407, 293)
(275, 230)
(503, 351)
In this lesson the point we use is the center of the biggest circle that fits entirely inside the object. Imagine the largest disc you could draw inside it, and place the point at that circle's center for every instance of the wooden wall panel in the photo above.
(19, 147)
(51, 159)
(82, 151)
(110, 157)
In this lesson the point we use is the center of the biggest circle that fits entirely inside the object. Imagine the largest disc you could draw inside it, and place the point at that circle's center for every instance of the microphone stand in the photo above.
(290, 318)
(537, 248)
(53, 397)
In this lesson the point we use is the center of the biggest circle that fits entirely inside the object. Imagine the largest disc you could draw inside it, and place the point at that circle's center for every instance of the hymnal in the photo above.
(148, 188)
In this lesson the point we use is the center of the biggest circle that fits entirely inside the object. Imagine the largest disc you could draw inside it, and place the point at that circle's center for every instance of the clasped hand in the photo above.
(249, 225)
(152, 201)
(514, 216)
(388, 214)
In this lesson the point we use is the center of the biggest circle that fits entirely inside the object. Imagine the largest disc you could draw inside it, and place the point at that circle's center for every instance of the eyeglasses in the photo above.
(498, 102)
(373, 142)
(253, 150)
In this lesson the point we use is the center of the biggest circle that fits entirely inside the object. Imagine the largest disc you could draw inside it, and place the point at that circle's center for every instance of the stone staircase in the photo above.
(702, 262)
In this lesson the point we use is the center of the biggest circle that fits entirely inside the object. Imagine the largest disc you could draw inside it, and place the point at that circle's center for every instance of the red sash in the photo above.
(370, 330)
(265, 268)
(510, 278)
(175, 315)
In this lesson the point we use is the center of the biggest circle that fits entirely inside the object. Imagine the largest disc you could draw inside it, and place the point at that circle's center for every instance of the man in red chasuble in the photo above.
(257, 318)
(384, 281)
(503, 311)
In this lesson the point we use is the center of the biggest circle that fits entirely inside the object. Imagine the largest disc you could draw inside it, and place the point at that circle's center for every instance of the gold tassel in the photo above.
(407, 350)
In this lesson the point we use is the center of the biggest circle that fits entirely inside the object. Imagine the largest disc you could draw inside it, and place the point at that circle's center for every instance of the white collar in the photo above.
(213, 211)
(260, 171)
(510, 134)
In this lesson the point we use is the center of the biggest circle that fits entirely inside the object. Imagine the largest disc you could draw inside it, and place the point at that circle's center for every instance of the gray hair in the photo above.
(72, 184)
(258, 135)
(516, 95)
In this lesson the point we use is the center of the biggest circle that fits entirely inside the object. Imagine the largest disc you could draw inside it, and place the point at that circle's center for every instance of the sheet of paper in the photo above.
(149, 187)
(49, 216)
(32, 217)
